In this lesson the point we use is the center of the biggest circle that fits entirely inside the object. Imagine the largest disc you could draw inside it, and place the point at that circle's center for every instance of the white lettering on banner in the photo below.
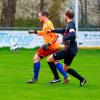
(88, 39)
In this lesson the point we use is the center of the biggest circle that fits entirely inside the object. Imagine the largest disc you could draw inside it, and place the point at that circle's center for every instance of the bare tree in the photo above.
(27, 9)
(41, 4)
(85, 20)
(99, 11)
(55, 11)
(8, 13)
(82, 12)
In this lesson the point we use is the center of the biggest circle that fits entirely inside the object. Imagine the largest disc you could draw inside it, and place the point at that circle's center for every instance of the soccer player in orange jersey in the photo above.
(51, 46)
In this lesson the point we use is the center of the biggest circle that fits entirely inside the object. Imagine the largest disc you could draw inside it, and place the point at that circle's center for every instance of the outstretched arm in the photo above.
(60, 31)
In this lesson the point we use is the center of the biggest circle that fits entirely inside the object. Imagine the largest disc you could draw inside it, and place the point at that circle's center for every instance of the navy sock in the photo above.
(53, 69)
(60, 68)
(75, 74)
(36, 69)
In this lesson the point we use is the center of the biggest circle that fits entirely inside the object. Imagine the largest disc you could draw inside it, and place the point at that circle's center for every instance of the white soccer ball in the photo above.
(14, 47)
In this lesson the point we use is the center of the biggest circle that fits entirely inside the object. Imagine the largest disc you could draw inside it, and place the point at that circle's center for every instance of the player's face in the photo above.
(65, 17)
(41, 18)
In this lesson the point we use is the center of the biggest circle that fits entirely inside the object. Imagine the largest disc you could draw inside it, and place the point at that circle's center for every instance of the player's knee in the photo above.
(50, 58)
(66, 67)
(36, 58)
(56, 61)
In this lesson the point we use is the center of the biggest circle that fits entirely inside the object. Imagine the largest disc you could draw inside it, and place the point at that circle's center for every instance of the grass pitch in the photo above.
(16, 69)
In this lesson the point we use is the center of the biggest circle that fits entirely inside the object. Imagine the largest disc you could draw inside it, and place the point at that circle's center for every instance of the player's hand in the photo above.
(45, 46)
(32, 32)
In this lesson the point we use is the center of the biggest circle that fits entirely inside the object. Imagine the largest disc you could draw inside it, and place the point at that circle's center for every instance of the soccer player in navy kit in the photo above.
(70, 47)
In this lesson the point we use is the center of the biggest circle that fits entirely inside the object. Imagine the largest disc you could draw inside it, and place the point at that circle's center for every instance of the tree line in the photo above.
(26, 16)
(9, 7)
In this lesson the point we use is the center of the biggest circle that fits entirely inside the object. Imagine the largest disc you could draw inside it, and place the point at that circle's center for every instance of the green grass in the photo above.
(16, 69)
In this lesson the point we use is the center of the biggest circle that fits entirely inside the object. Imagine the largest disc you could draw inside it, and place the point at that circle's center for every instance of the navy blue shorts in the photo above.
(62, 54)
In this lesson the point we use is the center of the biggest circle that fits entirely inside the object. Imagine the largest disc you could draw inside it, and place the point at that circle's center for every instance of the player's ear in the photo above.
(49, 17)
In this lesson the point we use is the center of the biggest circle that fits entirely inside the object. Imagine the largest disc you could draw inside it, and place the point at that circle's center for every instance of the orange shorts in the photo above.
(44, 53)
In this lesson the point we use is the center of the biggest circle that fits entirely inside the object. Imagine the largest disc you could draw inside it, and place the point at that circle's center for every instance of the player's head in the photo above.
(69, 15)
(43, 15)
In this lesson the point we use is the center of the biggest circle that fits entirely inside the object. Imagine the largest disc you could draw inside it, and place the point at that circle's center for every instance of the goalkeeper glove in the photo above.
(45, 46)
(32, 32)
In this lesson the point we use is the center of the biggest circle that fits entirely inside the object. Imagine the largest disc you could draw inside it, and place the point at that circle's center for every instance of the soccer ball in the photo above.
(14, 47)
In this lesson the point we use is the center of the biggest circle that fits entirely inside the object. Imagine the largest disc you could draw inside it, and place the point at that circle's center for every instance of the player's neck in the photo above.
(45, 19)
(69, 20)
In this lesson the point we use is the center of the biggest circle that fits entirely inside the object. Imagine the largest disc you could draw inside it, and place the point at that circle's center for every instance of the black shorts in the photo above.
(62, 54)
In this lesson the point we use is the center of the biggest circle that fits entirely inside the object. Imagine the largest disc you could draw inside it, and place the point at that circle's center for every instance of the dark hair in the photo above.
(69, 13)
(44, 13)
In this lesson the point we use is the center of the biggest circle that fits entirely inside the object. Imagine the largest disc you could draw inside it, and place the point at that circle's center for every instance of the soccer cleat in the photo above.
(83, 82)
(55, 81)
(32, 81)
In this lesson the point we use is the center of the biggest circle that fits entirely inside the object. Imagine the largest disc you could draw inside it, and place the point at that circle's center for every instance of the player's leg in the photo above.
(60, 68)
(67, 62)
(36, 68)
(53, 69)
(38, 56)
(51, 61)
(58, 56)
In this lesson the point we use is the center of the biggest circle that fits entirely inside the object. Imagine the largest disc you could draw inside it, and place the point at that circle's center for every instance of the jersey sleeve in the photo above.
(72, 26)
(72, 32)
(40, 32)
(60, 31)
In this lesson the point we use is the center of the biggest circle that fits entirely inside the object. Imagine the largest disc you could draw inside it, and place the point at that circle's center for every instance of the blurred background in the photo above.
(22, 15)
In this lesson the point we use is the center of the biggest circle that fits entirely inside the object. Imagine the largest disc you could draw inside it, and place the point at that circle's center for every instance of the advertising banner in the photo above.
(22, 38)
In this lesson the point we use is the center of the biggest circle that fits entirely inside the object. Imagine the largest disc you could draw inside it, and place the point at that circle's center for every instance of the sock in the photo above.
(53, 69)
(36, 70)
(75, 74)
(60, 68)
